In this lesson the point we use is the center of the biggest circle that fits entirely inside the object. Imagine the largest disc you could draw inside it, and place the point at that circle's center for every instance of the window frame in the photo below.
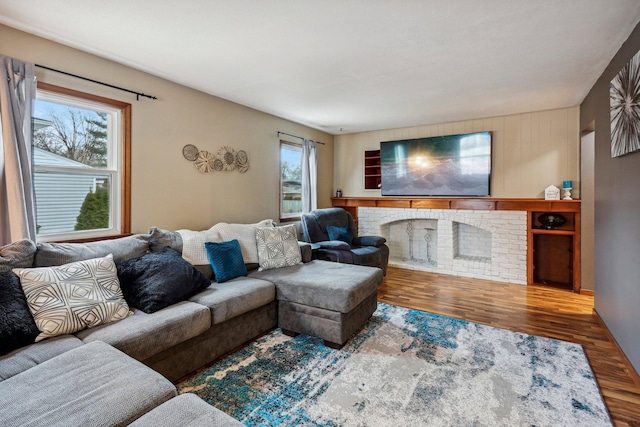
(122, 225)
(287, 217)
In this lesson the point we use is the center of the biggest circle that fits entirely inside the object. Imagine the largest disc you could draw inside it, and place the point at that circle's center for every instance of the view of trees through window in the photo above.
(74, 133)
(69, 142)
(290, 179)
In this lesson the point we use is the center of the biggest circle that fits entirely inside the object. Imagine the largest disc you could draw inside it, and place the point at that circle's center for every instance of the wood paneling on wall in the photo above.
(530, 151)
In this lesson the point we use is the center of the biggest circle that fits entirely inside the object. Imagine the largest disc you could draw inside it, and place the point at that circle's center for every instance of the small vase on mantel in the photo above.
(566, 187)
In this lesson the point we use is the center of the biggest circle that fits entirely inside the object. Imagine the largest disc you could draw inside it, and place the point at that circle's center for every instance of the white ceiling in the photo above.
(346, 66)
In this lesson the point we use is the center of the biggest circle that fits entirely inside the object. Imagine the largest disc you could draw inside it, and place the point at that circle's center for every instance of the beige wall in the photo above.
(167, 191)
(530, 152)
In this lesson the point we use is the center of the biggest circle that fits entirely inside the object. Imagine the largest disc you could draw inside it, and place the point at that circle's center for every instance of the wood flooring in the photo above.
(547, 312)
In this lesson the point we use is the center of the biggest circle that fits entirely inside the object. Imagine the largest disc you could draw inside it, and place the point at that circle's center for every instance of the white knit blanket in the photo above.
(193, 249)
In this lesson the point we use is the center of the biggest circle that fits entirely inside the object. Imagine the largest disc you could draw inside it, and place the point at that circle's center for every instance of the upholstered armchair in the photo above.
(333, 237)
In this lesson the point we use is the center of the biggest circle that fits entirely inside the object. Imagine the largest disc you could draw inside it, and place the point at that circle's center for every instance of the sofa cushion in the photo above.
(278, 247)
(27, 357)
(157, 280)
(143, 335)
(324, 284)
(49, 254)
(186, 410)
(17, 327)
(92, 385)
(19, 254)
(367, 255)
(235, 297)
(74, 296)
(376, 241)
(226, 260)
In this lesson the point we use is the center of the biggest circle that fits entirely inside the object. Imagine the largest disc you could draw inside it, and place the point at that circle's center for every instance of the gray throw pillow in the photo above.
(51, 254)
(17, 255)
(277, 247)
(160, 238)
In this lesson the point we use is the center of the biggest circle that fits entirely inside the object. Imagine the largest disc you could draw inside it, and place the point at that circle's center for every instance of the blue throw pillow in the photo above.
(338, 233)
(226, 260)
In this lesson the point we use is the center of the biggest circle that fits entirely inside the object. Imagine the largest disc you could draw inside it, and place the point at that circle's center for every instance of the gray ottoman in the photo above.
(324, 299)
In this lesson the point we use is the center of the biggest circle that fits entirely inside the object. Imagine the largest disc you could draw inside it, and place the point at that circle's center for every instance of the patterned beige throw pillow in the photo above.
(277, 247)
(71, 297)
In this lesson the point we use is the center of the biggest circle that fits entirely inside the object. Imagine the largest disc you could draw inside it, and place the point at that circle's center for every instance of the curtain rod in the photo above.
(137, 94)
(295, 136)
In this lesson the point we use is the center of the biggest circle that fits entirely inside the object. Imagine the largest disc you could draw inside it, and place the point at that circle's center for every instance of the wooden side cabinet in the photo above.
(554, 251)
(372, 172)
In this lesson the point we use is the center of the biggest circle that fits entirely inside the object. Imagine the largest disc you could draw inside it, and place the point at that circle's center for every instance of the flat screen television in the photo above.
(452, 165)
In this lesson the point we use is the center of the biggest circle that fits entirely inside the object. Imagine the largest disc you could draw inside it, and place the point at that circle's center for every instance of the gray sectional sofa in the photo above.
(101, 375)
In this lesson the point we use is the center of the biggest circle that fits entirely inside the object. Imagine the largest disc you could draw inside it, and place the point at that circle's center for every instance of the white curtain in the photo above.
(17, 201)
(309, 176)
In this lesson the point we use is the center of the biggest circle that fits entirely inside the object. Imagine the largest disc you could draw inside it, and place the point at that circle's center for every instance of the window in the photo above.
(290, 180)
(81, 164)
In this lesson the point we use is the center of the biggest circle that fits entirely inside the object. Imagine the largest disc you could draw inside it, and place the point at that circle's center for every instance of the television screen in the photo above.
(452, 165)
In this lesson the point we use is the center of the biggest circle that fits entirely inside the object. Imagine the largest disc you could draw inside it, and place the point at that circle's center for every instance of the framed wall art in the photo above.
(624, 95)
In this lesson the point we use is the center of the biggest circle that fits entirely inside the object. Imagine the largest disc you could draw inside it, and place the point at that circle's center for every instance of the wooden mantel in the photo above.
(552, 242)
(477, 203)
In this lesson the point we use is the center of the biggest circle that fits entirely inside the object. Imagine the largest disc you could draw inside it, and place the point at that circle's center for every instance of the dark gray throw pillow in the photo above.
(17, 327)
(158, 279)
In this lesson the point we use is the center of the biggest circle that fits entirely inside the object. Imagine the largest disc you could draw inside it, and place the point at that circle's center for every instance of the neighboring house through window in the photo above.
(290, 180)
(81, 165)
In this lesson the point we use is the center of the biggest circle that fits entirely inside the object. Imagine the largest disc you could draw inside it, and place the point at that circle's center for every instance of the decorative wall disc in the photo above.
(190, 152)
(241, 158)
(204, 161)
(242, 161)
(228, 157)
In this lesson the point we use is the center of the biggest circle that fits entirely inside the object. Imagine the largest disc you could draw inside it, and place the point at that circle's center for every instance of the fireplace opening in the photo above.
(471, 243)
(413, 241)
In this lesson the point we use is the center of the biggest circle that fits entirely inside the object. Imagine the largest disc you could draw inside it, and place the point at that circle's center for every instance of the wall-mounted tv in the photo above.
(452, 165)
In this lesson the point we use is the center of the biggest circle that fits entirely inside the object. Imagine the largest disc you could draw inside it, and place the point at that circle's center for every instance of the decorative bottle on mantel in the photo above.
(566, 187)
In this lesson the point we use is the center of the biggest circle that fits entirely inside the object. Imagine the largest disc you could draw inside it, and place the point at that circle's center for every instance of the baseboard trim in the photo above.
(588, 292)
(632, 372)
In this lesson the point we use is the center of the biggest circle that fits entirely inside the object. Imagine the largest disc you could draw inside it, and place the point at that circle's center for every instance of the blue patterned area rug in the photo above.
(406, 368)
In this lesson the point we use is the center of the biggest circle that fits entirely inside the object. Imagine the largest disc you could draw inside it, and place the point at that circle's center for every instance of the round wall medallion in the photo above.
(228, 157)
(190, 152)
(242, 161)
(204, 161)
(551, 220)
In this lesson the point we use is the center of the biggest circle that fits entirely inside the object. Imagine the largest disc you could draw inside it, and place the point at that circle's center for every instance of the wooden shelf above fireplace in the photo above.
(476, 203)
(553, 255)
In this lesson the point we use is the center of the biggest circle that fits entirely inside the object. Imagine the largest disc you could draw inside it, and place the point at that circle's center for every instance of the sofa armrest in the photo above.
(369, 241)
(305, 251)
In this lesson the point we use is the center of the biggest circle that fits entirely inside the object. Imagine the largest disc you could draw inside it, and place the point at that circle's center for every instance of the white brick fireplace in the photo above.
(483, 244)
